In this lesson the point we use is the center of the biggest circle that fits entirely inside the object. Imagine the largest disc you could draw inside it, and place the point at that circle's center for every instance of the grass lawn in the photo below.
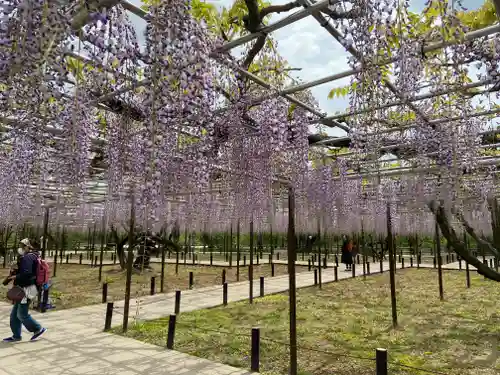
(77, 285)
(352, 318)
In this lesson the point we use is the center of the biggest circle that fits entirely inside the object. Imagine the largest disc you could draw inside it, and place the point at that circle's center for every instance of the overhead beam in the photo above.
(294, 17)
(325, 23)
(400, 171)
(413, 126)
(425, 48)
(240, 41)
(416, 98)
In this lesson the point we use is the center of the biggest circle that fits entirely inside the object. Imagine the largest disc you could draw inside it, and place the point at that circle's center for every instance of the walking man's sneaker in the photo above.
(11, 339)
(38, 334)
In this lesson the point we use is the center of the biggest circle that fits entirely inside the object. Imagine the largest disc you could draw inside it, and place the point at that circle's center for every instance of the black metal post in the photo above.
(224, 294)
(255, 352)
(171, 331)
(381, 362)
(162, 274)
(292, 292)
(250, 267)
(45, 231)
(103, 244)
(392, 267)
(177, 305)
(152, 286)
(439, 260)
(104, 292)
(130, 260)
(319, 255)
(109, 316)
(238, 251)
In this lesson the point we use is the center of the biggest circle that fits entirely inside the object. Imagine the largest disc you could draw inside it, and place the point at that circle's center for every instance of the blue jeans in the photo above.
(19, 316)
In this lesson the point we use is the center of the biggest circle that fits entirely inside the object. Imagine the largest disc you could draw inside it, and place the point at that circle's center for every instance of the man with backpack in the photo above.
(32, 271)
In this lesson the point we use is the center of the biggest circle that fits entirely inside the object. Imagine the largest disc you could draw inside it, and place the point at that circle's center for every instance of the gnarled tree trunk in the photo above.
(453, 239)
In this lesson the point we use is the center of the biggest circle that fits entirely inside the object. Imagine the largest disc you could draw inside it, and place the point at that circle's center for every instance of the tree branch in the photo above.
(451, 236)
(278, 8)
(482, 243)
(253, 20)
(256, 48)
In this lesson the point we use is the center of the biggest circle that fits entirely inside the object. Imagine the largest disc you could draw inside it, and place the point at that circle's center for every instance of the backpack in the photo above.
(42, 272)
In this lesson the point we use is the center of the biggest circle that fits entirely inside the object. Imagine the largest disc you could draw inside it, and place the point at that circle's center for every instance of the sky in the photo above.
(306, 45)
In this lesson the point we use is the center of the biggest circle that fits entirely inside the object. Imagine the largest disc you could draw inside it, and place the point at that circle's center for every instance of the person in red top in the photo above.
(347, 250)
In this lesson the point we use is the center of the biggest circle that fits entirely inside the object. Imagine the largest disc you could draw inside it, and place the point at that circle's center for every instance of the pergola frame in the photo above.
(310, 8)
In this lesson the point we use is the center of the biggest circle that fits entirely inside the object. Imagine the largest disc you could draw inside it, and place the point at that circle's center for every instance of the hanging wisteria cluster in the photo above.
(179, 132)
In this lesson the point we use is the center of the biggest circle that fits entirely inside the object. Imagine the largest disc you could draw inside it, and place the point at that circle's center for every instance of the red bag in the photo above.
(42, 272)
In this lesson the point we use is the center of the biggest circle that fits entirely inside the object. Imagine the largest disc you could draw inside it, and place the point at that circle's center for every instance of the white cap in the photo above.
(26, 242)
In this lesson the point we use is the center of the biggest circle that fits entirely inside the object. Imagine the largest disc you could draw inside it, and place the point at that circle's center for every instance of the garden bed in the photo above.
(77, 285)
(340, 326)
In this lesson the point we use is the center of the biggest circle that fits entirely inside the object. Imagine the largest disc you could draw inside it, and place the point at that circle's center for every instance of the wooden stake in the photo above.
(392, 273)
(292, 293)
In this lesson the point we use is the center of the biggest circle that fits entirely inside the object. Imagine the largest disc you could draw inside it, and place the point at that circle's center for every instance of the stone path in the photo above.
(72, 346)
(75, 343)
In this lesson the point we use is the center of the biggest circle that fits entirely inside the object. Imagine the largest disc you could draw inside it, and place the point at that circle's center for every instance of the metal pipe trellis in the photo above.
(425, 48)
(338, 37)
(469, 36)
(415, 125)
(326, 120)
(416, 98)
(386, 172)
(284, 93)
(245, 39)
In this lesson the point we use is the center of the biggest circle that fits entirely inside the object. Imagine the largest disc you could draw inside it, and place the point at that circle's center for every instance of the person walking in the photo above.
(25, 277)
(346, 256)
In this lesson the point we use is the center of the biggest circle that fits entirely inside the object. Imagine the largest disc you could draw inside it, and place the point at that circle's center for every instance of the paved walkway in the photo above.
(72, 346)
(75, 343)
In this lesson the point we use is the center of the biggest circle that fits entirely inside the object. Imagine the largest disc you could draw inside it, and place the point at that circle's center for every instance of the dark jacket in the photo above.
(346, 254)
(26, 270)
